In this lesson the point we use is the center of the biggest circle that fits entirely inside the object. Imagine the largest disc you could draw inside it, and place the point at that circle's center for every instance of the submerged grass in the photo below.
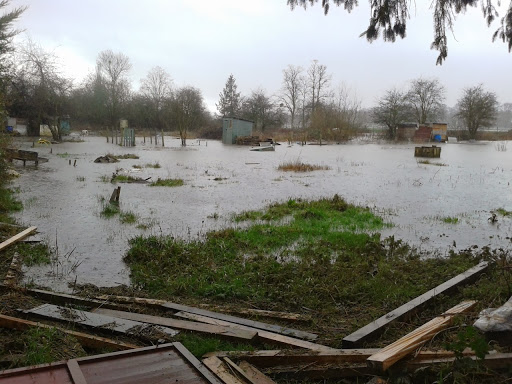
(167, 183)
(298, 166)
(450, 220)
(431, 163)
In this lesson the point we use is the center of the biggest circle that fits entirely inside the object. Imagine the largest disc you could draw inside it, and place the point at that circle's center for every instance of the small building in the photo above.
(16, 125)
(423, 134)
(440, 131)
(233, 128)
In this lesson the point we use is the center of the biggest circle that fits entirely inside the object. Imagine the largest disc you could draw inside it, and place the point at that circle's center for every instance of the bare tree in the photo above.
(48, 88)
(261, 109)
(318, 83)
(156, 87)
(392, 109)
(113, 69)
(426, 97)
(188, 110)
(391, 17)
(477, 108)
(289, 95)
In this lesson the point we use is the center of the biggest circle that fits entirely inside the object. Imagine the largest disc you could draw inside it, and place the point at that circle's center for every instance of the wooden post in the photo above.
(74, 164)
(69, 162)
(114, 198)
(163, 144)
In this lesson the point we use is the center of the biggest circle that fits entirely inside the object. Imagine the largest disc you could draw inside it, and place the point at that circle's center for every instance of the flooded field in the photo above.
(435, 207)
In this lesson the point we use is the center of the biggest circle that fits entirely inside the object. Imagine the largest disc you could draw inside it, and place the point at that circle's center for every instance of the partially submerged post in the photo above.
(114, 199)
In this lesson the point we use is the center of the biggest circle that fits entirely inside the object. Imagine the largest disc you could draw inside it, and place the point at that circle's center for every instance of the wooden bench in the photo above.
(18, 154)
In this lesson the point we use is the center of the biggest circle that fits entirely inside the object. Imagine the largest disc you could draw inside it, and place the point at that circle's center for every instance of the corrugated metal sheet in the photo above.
(168, 363)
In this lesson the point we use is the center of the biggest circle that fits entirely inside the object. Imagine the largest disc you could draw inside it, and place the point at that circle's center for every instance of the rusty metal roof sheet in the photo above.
(168, 363)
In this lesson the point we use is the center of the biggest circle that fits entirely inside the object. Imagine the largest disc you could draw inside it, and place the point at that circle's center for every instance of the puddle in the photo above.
(63, 200)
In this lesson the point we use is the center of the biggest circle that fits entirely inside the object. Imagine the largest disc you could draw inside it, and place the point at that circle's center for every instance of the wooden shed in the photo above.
(233, 128)
(440, 131)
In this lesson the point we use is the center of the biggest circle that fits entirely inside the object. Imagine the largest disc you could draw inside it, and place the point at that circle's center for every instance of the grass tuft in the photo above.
(298, 166)
(167, 183)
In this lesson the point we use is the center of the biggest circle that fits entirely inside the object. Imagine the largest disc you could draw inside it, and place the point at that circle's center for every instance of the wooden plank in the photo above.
(84, 339)
(195, 363)
(97, 321)
(63, 298)
(265, 335)
(238, 320)
(235, 368)
(217, 367)
(75, 372)
(255, 375)
(17, 237)
(373, 329)
(389, 355)
(287, 316)
(495, 361)
(181, 324)
(272, 358)
(215, 315)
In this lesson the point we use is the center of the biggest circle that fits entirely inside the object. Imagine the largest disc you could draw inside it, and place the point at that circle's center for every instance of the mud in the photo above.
(63, 200)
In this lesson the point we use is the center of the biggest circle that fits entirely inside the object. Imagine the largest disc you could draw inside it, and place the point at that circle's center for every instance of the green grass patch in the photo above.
(8, 202)
(199, 345)
(34, 254)
(125, 179)
(298, 166)
(167, 183)
(127, 217)
(109, 210)
(153, 165)
(450, 220)
(46, 345)
(503, 212)
(80, 178)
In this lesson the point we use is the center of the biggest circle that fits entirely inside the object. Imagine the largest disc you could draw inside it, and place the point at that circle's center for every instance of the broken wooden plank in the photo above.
(12, 272)
(97, 321)
(265, 335)
(17, 237)
(181, 324)
(235, 368)
(287, 316)
(495, 361)
(255, 375)
(63, 298)
(373, 329)
(238, 320)
(215, 315)
(271, 358)
(218, 368)
(84, 339)
(389, 355)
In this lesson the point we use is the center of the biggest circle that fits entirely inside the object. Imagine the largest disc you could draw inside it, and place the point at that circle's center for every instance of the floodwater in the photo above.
(64, 201)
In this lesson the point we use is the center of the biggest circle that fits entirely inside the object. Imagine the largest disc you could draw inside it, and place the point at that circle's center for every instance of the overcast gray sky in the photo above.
(200, 42)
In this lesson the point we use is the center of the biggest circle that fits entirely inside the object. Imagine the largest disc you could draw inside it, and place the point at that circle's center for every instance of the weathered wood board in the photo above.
(17, 237)
(373, 329)
(264, 335)
(392, 353)
(97, 321)
(181, 324)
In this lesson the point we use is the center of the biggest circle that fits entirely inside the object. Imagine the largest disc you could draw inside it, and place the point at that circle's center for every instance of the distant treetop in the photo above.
(391, 17)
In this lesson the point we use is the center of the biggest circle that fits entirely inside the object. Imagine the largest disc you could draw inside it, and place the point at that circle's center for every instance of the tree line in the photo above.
(33, 86)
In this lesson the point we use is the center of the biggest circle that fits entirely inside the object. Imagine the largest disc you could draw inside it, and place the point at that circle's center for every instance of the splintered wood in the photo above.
(389, 355)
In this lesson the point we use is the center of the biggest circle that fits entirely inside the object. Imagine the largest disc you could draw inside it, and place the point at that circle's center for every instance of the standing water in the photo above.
(64, 201)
